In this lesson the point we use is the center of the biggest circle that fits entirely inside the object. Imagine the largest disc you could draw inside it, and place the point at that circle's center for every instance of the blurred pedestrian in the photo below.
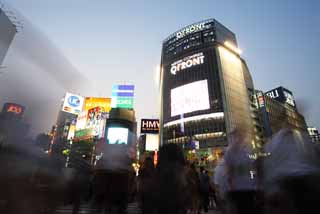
(204, 188)
(291, 173)
(193, 190)
(242, 187)
(220, 183)
(171, 181)
(147, 187)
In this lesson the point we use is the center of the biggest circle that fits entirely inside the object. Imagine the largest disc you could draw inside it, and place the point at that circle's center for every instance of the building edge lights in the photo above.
(217, 115)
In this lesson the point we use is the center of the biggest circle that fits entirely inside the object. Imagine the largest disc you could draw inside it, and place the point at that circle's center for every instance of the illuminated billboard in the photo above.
(82, 120)
(83, 134)
(189, 98)
(91, 102)
(13, 108)
(96, 121)
(152, 142)
(282, 95)
(150, 126)
(122, 96)
(73, 103)
(117, 135)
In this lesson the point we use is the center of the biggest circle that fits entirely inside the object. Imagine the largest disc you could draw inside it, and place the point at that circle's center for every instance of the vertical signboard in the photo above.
(122, 96)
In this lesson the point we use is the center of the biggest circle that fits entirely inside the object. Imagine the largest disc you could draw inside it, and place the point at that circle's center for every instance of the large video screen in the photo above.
(189, 98)
(117, 135)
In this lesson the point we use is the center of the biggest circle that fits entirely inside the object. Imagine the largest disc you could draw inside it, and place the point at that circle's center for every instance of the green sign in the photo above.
(124, 102)
(83, 133)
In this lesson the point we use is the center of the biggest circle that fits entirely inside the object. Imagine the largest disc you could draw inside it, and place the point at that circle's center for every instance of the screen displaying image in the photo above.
(117, 135)
(189, 98)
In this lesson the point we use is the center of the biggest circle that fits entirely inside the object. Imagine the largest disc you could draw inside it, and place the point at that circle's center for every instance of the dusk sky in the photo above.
(111, 42)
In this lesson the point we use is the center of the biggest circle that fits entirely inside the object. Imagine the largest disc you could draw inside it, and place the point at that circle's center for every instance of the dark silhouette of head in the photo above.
(171, 154)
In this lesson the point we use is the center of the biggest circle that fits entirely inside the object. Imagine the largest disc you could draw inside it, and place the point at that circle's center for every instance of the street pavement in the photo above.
(133, 208)
(86, 209)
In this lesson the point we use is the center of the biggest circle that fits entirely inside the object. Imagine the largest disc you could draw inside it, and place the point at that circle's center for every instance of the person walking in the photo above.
(204, 189)
(242, 187)
(146, 187)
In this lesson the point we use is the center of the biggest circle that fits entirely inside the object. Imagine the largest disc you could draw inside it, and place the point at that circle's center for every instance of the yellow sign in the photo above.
(92, 102)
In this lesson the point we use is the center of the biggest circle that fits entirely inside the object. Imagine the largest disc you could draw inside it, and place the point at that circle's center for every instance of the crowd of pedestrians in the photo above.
(282, 180)
(280, 177)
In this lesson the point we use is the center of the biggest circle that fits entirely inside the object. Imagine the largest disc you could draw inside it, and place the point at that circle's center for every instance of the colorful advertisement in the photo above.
(91, 102)
(82, 120)
(150, 126)
(83, 134)
(189, 98)
(73, 103)
(13, 108)
(122, 96)
(96, 121)
(72, 130)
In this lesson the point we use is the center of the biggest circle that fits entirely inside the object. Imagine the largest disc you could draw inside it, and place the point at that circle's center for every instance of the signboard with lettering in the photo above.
(196, 27)
(73, 103)
(122, 96)
(282, 95)
(13, 108)
(187, 62)
(150, 126)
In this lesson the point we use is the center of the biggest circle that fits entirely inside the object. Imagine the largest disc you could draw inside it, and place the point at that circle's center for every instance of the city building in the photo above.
(204, 90)
(13, 129)
(8, 31)
(314, 134)
(278, 109)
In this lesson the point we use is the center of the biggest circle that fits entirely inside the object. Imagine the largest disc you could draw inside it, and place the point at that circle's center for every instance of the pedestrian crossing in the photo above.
(133, 208)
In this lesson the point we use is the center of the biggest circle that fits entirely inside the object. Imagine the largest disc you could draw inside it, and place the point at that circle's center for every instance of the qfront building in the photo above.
(204, 93)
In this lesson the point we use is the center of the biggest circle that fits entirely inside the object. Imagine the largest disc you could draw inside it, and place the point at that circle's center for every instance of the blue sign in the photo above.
(74, 101)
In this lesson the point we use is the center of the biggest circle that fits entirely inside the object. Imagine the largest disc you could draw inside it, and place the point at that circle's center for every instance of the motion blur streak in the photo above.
(36, 70)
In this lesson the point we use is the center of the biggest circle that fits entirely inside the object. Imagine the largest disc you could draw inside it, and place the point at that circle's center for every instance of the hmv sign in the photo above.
(150, 126)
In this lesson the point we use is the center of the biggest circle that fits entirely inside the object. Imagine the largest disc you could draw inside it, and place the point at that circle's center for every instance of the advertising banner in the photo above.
(91, 102)
(96, 121)
(150, 126)
(82, 120)
(83, 134)
(122, 96)
(73, 103)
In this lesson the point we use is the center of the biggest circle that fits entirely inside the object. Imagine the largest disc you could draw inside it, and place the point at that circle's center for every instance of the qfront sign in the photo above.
(187, 62)
(150, 126)
(197, 27)
(190, 29)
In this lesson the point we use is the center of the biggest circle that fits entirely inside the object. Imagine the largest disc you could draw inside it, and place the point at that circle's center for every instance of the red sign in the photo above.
(13, 108)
